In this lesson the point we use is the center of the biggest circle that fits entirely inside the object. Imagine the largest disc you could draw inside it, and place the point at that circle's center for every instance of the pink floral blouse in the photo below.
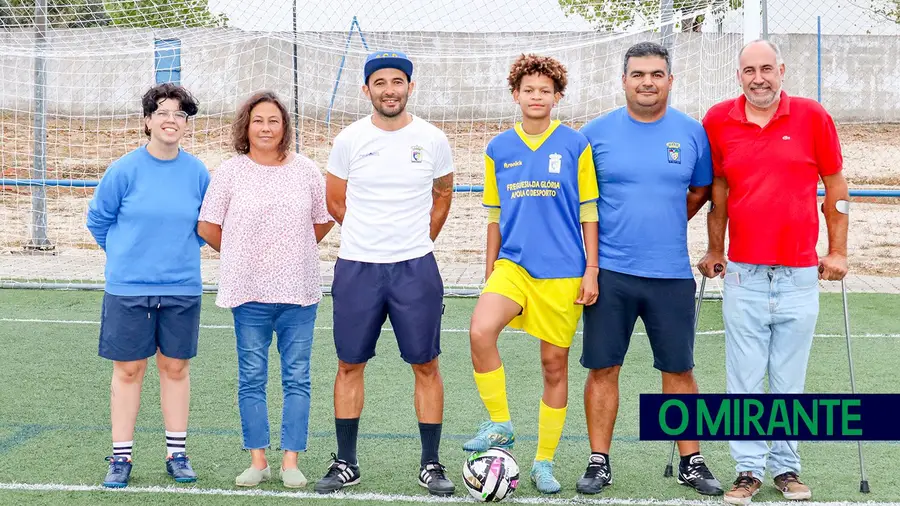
(268, 252)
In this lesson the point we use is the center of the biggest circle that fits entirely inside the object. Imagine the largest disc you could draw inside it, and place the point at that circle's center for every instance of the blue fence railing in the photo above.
(87, 183)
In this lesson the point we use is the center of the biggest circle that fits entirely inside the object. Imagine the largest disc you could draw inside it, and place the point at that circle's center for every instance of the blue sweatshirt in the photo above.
(144, 215)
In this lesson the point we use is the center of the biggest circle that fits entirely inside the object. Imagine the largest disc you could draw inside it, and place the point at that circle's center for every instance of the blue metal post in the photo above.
(337, 81)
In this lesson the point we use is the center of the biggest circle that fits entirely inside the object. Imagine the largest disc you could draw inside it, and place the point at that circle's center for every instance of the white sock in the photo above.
(175, 442)
(122, 449)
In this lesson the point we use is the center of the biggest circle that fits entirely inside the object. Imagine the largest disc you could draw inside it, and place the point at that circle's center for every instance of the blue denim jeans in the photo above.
(254, 324)
(770, 317)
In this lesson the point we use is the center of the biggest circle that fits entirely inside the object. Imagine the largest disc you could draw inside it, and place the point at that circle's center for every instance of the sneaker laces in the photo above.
(335, 467)
(744, 481)
(790, 477)
(484, 430)
(436, 470)
(544, 471)
(116, 465)
(596, 470)
(700, 470)
(180, 462)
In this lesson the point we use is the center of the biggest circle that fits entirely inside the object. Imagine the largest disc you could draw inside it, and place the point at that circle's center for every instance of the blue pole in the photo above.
(819, 55)
(337, 80)
(460, 188)
(361, 36)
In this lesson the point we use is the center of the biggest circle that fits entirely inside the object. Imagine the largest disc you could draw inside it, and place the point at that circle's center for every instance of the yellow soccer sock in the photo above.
(492, 389)
(550, 427)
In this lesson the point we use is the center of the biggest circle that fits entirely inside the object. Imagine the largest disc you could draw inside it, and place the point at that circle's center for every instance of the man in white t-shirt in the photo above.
(389, 185)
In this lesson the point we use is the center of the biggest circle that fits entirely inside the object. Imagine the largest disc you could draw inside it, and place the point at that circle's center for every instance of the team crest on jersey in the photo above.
(673, 150)
(416, 154)
(555, 163)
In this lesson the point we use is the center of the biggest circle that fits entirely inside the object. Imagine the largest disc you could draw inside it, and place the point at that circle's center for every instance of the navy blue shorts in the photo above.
(365, 294)
(133, 327)
(666, 306)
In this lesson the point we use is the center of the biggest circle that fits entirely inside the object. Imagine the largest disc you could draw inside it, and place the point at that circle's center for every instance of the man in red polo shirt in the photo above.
(769, 152)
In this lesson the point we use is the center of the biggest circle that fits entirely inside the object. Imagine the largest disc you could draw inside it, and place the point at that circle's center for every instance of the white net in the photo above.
(70, 94)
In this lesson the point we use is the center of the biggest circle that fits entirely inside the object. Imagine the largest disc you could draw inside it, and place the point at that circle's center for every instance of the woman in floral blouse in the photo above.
(265, 212)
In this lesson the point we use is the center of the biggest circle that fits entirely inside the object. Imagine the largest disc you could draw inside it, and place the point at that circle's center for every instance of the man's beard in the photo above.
(763, 103)
(384, 111)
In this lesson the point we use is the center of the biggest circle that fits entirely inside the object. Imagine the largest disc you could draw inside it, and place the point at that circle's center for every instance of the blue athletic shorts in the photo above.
(365, 294)
(133, 327)
(666, 306)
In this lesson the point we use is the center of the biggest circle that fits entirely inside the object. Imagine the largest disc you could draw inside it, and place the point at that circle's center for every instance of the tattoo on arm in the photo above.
(443, 186)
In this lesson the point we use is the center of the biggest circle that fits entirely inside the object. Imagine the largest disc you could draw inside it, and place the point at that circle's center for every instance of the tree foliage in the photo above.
(889, 9)
(163, 14)
(620, 15)
(122, 13)
(60, 13)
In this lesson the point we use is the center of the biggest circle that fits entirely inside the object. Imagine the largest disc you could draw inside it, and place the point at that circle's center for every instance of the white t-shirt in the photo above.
(389, 176)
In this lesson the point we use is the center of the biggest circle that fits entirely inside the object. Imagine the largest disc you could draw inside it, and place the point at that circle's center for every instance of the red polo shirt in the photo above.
(772, 175)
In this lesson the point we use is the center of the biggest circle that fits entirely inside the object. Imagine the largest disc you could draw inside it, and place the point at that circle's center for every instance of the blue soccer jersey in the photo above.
(644, 171)
(539, 186)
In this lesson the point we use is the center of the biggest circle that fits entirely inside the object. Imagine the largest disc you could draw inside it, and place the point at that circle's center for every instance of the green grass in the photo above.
(54, 420)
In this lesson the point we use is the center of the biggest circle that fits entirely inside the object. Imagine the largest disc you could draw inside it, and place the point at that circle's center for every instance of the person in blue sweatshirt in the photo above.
(144, 216)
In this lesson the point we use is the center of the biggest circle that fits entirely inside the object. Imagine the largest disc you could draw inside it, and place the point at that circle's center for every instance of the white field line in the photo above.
(374, 497)
(388, 329)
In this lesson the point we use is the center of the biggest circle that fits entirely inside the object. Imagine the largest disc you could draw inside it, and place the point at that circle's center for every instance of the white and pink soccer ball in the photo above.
(491, 476)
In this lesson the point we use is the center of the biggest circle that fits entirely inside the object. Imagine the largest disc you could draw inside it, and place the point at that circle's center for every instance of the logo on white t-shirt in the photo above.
(555, 163)
(416, 154)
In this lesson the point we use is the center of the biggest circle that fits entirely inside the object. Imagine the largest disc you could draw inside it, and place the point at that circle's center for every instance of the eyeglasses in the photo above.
(179, 115)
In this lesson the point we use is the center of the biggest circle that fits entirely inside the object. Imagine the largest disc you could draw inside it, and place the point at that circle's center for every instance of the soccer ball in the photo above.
(492, 475)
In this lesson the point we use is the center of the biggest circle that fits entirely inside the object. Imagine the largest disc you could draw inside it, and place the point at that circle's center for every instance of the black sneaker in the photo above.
(432, 476)
(597, 476)
(697, 476)
(340, 474)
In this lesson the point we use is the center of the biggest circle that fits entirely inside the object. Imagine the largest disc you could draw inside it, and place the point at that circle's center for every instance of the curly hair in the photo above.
(240, 129)
(534, 64)
(150, 101)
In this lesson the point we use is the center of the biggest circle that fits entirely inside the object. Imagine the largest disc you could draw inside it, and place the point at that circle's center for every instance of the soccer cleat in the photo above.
(597, 475)
(697, 476)
(791, 487)
(542, 477)
(179, 467)
(433, 477)
(119, 472)
(491, 435)
(340, 474)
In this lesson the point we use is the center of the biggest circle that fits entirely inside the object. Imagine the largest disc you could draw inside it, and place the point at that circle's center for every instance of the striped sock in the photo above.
(122, 449)
(175, 442)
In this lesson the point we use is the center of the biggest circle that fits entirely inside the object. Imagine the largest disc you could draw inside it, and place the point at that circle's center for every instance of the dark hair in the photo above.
(150, 101)
(642, 49)
(240, 136)
(533, 64)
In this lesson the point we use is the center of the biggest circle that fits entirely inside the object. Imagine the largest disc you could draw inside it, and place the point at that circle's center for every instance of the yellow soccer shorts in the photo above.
(549, 311)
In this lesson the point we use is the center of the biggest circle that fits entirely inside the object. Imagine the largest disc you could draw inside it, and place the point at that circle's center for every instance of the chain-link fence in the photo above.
(843, 53)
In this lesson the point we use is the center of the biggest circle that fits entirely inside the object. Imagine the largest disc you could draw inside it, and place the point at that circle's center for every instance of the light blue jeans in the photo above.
(770, 317)
(254, 324)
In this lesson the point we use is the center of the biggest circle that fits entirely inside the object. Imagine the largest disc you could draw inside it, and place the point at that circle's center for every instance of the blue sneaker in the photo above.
(491, 434)
(179, 467)
(119, 472)
(542, 477)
